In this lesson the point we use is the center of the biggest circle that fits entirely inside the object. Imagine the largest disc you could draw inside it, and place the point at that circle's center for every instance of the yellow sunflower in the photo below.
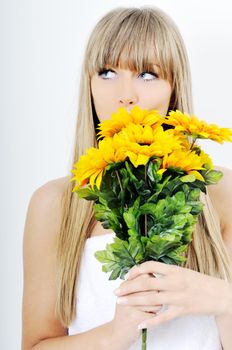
(165, 142)
(90, 167)
(138, 133)
(141, 143)
(137, 154)
(122, 118)
(188, 161)
(191, 125)
(206, 160)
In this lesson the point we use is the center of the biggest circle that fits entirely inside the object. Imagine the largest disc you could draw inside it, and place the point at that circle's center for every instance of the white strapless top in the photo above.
(96, 305)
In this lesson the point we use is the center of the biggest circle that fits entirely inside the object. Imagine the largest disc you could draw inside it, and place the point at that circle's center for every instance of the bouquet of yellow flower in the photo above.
(145, 178)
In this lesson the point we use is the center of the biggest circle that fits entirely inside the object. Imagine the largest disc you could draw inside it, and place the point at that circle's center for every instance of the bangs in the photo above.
(135, 42)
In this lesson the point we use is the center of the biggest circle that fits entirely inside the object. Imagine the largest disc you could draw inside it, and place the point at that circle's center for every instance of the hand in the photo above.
(184, 291)
(124, 326)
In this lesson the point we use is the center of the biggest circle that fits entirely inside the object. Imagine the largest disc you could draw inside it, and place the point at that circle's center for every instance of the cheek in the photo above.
(158, 96)
(101, 92)
(161, 92)
(94, 90)
(103, 99)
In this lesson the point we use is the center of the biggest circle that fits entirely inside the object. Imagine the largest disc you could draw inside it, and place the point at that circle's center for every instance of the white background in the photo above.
(41, 51)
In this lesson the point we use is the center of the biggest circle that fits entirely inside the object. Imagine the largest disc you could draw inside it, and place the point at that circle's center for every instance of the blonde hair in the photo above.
(135, 38)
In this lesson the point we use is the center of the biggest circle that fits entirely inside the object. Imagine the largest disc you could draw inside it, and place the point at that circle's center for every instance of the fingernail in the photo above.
(141, 326)
(117, 291)
(126, 276)
(121, 300)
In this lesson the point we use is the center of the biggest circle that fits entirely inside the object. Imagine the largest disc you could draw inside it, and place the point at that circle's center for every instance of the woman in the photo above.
(133, 57)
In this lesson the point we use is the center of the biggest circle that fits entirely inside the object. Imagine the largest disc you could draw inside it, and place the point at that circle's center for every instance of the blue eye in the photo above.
(104, 72)
(152, 75)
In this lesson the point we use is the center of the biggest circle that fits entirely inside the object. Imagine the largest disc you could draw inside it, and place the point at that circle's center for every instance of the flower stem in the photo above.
(145, 216)
(144, 339)
(193, 142)
(120, 183)
(144, 331)
(145, 224)
(119, 180)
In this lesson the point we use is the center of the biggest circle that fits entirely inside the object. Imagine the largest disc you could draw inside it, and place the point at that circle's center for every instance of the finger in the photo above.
(147, 298)
(144, 282)
(151, 308)
(159, 319)
(151, 267)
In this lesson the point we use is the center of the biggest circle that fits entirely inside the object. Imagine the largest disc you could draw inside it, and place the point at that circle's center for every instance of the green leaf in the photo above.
(108, 267)
(152, 167)
(87, 193)
(188, 178)
(194, 195)
(197, 207)
(150, 172)
(136, 246)
(165, 259)
(114, 166)
(129, 219)
(115, 273)
(179, 198)
(132, 214)
(158, 246)
(213, 177)
(172, 186)
(177, 254)
(180, 220)
(138, 184)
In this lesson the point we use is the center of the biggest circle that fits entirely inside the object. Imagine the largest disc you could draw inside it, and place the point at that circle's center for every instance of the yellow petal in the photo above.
(197, 175)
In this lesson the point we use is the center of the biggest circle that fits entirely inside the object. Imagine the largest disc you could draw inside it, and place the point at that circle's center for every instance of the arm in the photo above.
(224, 321)
(222, 199)
(41, 330)
(98, 338)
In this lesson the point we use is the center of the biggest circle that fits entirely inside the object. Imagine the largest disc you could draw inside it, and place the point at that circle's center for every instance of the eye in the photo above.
(107, 74)
(104, 73)
(149, 76)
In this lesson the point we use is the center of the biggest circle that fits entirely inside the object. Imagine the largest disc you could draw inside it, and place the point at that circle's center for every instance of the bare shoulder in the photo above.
(52, 189)
(221, 195)
(41, 231)
(45, 204)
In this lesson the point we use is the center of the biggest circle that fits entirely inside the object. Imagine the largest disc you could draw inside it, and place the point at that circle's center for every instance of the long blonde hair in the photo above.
(135, 38)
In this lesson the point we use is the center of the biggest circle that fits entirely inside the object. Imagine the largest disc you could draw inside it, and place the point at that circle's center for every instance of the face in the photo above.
(115, 87)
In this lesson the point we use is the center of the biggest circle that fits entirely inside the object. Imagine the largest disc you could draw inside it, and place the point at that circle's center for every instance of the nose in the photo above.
(127, 101)
(127, 95)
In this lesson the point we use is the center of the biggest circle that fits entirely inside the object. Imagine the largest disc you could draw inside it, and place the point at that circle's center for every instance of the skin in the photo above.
(123, 88)
(184, 291)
